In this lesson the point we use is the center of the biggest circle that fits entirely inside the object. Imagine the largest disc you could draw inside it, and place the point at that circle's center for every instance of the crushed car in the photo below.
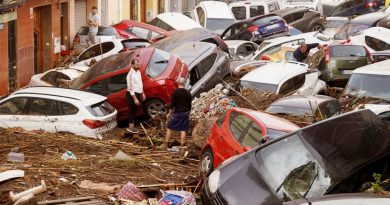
(243, 49)
(58, 110)
(334, 156)
(81, 42)
(159, 71)
(237, 131)
(303, 19)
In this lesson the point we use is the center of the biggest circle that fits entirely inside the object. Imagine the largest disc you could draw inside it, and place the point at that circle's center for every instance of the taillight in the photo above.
(76, 40)
(93, 124)
(252, 29)
(369, 4)
(327, 55)
(265, 58)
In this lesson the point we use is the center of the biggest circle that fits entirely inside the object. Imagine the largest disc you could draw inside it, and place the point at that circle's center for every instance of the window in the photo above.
(68, 109)
(42, 106)
(158, 63)
(140, 32)
(239, 12)
(53, 78)
(298, 81)
(106, 31)
(96, 50)
(289, 18)
(201, 17)
(266, 20)
(298, 16)
(347, 51)
(271, 8)
(245, 50)
(256, 11)
(277, 6)
(161, 24)
(376, 44)
(130, 44)
(220, 120)
(134, 10)
(14, 106)
(286, 87)
(83, 31)
(238, 124)
(252, 136)
(206, 64)
(385, 117)
(161, 7)
(328, 109)
(101, 109)
(194, 76)
(289, 56)
(109, 85)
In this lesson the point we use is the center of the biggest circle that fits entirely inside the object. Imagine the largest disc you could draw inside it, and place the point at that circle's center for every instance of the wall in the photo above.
(4, 63)
(125, 9)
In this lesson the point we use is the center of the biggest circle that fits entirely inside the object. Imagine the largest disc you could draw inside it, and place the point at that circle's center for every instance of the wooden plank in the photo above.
(66, 200)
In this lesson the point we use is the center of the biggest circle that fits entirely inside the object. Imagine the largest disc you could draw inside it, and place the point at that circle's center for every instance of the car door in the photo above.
(252, 137)
(69, 118)
(97, 52)
(246, 49)
(11, 111)
(41, 115)
(298, 21)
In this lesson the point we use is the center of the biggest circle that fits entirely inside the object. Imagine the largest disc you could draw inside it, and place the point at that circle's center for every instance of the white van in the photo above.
(247, 9)
(214, 16)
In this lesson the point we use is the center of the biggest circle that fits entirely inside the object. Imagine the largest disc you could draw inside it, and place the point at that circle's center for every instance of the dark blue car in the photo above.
(354, 7)
(257, 29)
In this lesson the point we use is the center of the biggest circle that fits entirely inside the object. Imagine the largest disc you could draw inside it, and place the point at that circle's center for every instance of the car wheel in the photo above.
(317, 27)
(155, 108)
(206, 163)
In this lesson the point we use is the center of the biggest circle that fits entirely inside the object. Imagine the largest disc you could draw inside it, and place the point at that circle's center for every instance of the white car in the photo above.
(274, 45)
(174, 21)
(311, 4)
(334, 24)
(244, 49)
(344, 199)
(58, 76)
(247, 9)
(374, 39)
(372, 81)
(81, 42)
(284, 78)
(58, 110)
(214, 15)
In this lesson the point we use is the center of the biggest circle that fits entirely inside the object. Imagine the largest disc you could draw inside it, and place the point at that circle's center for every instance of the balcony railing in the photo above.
(10, 5)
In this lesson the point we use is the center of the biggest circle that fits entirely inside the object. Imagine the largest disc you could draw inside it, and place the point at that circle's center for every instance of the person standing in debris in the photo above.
(93, 23)
(179, 113)
(301, 53)
(135, 94)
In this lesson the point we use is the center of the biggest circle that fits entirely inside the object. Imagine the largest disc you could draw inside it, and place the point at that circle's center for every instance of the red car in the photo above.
(159, 69)
(133, 29)
(238, 131)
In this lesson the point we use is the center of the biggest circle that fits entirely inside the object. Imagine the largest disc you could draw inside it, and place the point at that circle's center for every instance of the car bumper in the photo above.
(210, 199)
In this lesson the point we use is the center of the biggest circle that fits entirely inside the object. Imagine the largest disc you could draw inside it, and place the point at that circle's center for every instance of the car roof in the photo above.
(378, 32)
(143, 25)
(236, 43)
(290, 10)
(189, 52)
(303, 101)
(257, 17)
(251, 2)
(275, 72)
(216, 9)
(178, 21)
(85, 97)
(71, 72)
(380, 68)
(271, 121)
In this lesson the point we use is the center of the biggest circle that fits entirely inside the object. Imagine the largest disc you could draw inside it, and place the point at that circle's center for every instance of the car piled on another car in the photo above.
(303, 19)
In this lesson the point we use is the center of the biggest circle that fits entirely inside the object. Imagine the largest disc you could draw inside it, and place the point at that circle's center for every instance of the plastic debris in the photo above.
(177, 198)
(15, 156)
(122, 156)
(68, 155)
(11, 174)
(131, 192)
(27, 193)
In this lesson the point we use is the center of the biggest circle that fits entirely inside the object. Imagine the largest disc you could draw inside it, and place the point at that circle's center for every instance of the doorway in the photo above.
(12, 69)
(64, 22)
(42, 39)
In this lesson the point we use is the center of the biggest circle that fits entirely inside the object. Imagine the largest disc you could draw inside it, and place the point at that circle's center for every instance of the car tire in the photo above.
(317, 27)
(155, 108)
(206, 165)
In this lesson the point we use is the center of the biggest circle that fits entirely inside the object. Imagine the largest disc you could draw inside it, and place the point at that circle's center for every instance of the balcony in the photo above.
(10, 5)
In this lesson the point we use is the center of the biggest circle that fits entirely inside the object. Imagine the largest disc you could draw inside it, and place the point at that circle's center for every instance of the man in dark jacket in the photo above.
(301, 53)
(179, 113)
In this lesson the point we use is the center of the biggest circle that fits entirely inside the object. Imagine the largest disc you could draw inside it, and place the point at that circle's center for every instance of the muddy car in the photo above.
(303, 19)
(334, 156)
(207, 65)
(313, 108)
(336, 62)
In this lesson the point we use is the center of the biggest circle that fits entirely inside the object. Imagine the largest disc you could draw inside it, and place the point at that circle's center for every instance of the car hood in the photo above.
(369, 19)
(243, 173)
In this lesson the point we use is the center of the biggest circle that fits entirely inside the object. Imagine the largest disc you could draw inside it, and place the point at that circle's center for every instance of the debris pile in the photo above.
(212, 103)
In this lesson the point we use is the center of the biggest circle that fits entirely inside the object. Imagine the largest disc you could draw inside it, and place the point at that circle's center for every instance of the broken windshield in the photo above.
(368, 85)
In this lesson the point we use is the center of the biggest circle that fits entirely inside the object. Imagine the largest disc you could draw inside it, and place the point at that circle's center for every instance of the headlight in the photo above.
(213, 181)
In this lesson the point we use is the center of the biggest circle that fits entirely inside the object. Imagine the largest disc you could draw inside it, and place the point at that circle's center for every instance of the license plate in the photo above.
(272, 26)
(346, 72)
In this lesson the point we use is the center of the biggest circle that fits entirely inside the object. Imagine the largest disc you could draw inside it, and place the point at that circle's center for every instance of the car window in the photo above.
(134, 44)
(277, 7)
(229, 32)
(68, 109)
(252, 136)
(298, 16)
(201, 17)
(298, 81)
(376, 44)
(238, 124)
(194, 76)
(83, 31)
(239, 12)
(14, 106)
(380, 57)
(286, 87)
(53, 77)
(140, 32)
(109, 85)
(106, 31)
(101, 109)
(158, 63)
(328, 109)
(266, 20)
(289, 18)
(161, 24)
(289, 56)
(206, 64)
(42, 106)
(256, 11)
(220, 120)
(385, 117)
(346, 51)
(245, 50)
(96, 50)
